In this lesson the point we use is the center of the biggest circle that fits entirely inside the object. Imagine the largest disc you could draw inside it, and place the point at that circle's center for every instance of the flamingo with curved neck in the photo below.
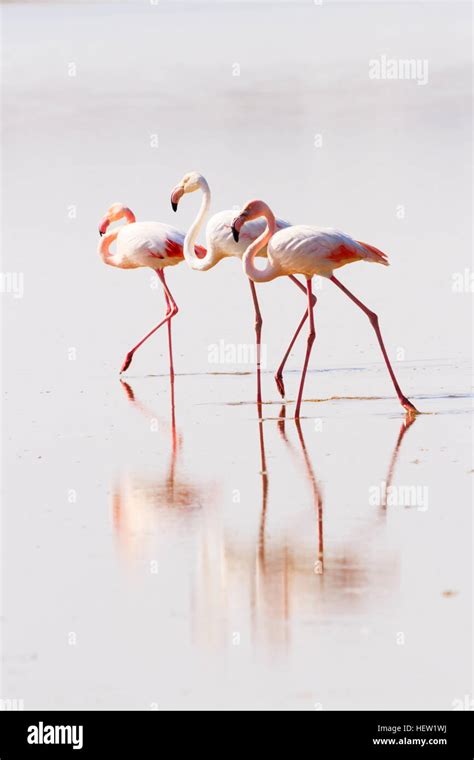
(143, 244)
(220, 243)
(309, 251)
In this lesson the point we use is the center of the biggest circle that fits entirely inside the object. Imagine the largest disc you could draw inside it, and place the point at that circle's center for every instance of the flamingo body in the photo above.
(145, 244)
(220, 240)
(149, 244)
(307, 250)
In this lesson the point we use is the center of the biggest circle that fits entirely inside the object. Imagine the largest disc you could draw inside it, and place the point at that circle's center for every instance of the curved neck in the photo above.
(191, 236)
(104, 248)
(271, 270)
(128, 215)
(110, 237)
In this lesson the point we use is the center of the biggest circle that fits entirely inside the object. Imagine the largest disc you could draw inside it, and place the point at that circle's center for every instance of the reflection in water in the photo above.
(264, 475)
(262, 569)
(406, 424)
(315, 489)
(316, 493)
(287, 577)
(136, 498)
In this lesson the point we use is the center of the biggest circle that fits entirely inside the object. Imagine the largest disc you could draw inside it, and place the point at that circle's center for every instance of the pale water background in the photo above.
(144, 567)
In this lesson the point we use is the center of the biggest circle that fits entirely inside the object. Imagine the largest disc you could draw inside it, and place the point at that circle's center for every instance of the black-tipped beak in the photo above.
(176, 195)
(103, 225)
(235, 233)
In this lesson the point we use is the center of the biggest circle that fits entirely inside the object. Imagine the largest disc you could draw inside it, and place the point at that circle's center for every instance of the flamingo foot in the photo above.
(408, 406)
(127, 363)
(280, 385)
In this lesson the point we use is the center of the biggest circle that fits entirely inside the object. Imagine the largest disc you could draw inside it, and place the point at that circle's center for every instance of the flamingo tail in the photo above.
(373, 254)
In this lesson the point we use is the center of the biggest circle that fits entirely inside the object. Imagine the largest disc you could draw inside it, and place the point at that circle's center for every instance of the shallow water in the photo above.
(152, 563)
(187, 555)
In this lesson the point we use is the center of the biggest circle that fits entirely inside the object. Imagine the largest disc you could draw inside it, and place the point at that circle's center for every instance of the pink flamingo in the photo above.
(144, 244)
(220, 244)
(309, 251)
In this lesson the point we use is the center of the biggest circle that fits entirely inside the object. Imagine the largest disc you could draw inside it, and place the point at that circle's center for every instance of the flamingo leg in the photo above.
(258, 336)
(311, 337)
(169, 309)
(168, 318)
(279, 372)
(374, 321)
(264, 476)
(318, 497)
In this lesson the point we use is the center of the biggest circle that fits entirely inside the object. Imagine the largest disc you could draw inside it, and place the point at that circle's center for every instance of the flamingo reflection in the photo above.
(288, 575)
(137, 498)
(258, 565)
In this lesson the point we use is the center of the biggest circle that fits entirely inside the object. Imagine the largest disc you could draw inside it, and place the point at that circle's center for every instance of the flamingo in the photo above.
(221, 244)
(144, 244)
(309, 251)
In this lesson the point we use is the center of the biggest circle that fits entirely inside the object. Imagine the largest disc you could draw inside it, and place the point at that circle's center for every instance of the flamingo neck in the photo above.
(110, 237)
(191, 236)
(104, 248)
(248, 260)
(129, 216)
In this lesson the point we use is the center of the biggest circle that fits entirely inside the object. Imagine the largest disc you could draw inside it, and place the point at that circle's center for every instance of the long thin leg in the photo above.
(172, 310)
(279, 372)
(374, 321)
(169, 309)
(264, 474)
(258, 335)
(168, 317)
(318, 498)
(311, 337)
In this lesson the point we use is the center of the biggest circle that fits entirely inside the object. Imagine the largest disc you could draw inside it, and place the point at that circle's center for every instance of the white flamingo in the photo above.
(220, 244)
(309, 251)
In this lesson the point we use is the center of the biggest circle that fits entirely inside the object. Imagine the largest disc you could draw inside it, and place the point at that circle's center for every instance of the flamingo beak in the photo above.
(176, 195)
(236, 227)
(103, 225)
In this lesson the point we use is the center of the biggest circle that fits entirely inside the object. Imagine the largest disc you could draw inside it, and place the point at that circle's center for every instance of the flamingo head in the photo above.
(251, 210)
(189, 184)
(114, 213)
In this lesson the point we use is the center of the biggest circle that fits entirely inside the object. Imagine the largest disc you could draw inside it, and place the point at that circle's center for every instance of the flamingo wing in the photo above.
(173, 245)
(317, 250)
(146, 243)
